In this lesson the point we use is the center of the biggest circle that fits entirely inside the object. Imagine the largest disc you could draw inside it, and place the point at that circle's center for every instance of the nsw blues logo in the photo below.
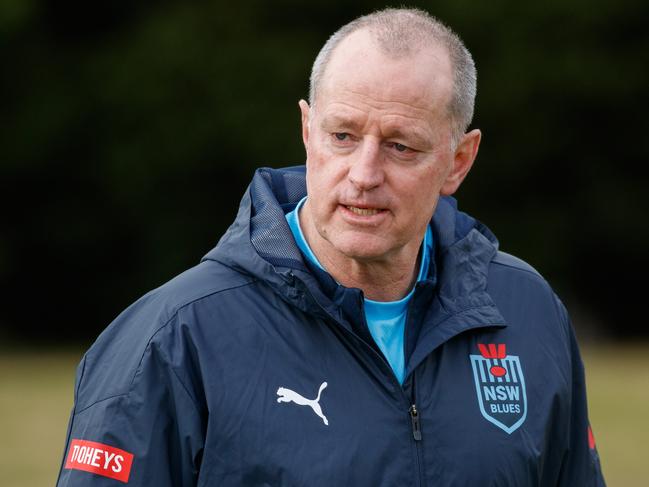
(500, 386)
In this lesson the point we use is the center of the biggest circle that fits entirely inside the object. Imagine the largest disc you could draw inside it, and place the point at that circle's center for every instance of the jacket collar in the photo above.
(452, 300)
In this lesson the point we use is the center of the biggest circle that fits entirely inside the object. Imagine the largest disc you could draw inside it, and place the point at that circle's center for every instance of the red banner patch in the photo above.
(100, 459)
(591, 439)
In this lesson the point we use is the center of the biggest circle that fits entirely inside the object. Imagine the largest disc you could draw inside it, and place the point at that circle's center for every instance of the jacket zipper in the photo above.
(416, 430)
(412, 410)
(414, 417)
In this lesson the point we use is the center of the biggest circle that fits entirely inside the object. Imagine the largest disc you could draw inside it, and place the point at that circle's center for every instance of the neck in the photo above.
(379, 281)
(385, 278)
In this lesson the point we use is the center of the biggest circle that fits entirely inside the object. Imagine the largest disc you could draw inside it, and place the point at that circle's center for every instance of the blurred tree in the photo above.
(131, 130)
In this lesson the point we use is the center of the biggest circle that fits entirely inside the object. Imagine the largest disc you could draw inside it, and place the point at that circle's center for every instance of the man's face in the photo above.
(379, 152)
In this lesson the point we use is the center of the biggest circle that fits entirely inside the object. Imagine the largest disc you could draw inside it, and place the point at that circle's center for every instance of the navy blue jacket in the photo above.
(253, 369)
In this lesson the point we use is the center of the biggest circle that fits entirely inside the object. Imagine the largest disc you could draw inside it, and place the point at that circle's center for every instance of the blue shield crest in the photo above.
(500, 387)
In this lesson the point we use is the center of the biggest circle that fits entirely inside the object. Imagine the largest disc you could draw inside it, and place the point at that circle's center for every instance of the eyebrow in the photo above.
(414, 136)
(339, 122)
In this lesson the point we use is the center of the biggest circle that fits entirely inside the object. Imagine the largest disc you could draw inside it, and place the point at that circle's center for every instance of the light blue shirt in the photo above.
(385, 319)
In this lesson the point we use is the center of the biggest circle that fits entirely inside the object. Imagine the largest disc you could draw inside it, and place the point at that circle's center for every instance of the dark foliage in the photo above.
(130, 130)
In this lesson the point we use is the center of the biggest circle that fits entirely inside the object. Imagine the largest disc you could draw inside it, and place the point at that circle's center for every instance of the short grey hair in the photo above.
(401, 31)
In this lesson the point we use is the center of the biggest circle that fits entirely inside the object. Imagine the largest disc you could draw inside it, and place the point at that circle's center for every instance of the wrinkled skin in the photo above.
(379, 155)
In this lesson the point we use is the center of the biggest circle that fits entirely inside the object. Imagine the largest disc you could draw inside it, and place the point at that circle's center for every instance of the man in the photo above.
(366, 334)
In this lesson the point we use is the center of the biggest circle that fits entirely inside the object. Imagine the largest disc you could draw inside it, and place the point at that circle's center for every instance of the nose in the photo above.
(366, 171)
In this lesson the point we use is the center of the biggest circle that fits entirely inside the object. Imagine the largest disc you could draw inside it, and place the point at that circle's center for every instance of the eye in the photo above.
(341, 136)
(401, 147)
(402, 151)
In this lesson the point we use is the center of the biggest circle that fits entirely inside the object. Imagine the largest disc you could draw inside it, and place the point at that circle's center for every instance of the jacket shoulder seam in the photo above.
(174, 311)
(173, 315)
(522, 266)
(100, 400)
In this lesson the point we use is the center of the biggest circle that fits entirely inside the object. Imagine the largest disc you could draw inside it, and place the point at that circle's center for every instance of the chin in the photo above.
(360, 249)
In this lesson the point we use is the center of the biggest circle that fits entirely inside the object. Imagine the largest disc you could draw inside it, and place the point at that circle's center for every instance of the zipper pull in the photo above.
(414, 416)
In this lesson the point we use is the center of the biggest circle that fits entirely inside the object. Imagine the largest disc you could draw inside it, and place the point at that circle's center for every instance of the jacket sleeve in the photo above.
(581, 465)
(148, 434)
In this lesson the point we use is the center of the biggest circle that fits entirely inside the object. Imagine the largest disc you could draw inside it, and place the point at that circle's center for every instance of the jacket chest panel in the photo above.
(296, 401)
(509, 429)
(290, 405)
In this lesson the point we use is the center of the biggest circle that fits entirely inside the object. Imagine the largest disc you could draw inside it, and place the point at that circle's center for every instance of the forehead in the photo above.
(361, 72)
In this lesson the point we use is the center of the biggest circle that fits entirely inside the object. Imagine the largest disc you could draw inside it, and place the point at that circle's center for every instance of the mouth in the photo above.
(363, 211)
(363, 215)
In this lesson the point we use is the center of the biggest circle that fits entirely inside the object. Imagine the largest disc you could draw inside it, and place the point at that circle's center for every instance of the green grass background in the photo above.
(36, 397)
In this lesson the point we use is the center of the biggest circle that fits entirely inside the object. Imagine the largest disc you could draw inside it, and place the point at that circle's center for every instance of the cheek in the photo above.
(421, 192)
(319, 184)
(316, 161)
(433, 178)
(324, 173)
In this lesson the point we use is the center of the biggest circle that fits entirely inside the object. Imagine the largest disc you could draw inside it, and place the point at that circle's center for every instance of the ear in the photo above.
(465, 154)
(304, 110)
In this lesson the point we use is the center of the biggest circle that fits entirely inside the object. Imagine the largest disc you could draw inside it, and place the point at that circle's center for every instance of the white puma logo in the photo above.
(287, 395)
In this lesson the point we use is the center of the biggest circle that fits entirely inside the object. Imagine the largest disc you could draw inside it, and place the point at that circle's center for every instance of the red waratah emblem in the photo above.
(494, 351)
